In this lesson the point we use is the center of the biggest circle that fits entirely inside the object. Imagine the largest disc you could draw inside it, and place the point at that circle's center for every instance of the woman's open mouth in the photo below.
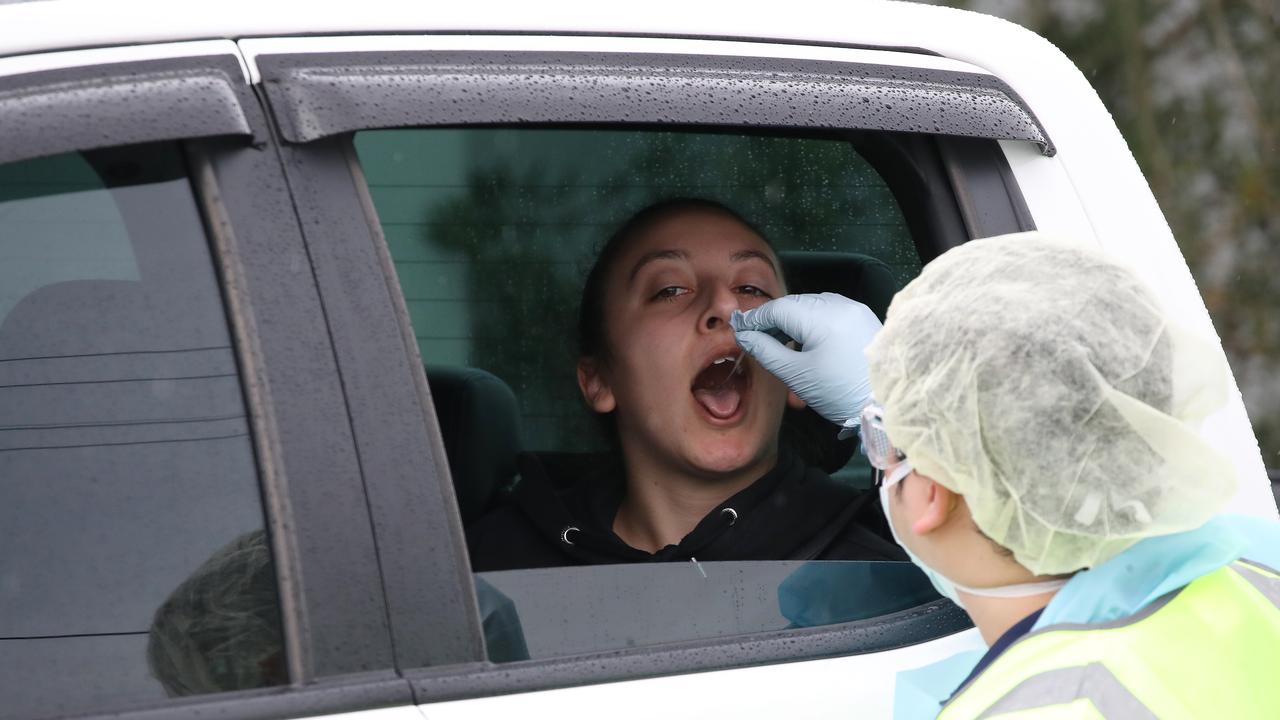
(721, 387)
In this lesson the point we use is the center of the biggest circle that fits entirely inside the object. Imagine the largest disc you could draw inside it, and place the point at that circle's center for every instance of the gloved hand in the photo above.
(830, 371)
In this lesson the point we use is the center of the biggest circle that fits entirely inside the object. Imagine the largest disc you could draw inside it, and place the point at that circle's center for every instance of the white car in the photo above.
(231, 238)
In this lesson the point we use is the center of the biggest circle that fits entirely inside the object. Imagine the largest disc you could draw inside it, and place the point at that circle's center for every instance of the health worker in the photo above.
(1035, 428)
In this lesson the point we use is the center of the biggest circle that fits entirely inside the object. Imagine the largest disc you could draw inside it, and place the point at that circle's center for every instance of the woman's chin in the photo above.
(728, 458)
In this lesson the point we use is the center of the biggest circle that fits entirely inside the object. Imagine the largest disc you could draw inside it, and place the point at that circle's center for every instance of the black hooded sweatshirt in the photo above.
(793, 512)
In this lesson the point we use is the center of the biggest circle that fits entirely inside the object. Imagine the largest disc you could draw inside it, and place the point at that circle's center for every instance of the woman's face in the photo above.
(666, 307)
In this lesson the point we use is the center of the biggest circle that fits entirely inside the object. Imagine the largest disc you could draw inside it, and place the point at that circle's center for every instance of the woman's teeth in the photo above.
(737, 365)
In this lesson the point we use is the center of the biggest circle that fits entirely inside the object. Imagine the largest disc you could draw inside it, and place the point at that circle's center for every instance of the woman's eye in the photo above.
(754, 291)
(670, 292)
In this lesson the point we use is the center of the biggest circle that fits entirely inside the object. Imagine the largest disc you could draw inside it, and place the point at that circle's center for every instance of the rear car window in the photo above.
(133, 556)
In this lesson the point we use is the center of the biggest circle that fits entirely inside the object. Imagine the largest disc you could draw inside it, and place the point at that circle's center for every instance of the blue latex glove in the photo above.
(830, 371)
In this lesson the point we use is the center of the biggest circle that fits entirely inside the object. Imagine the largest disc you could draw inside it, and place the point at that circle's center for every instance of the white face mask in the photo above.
(945, 587)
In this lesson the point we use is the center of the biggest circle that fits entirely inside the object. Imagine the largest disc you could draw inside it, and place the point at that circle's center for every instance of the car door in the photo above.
(183, 524)
(379, 135)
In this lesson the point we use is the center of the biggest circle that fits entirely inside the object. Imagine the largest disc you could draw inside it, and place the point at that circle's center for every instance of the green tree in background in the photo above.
(1194, 86)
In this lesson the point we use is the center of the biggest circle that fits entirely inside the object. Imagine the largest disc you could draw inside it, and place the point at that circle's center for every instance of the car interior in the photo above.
(480, 419)
(491, 231)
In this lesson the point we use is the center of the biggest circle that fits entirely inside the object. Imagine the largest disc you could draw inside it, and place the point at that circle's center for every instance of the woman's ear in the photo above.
(595, 388)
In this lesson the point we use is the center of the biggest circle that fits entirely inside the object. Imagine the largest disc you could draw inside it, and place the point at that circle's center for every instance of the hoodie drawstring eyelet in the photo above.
(732, 515)
(564, 534)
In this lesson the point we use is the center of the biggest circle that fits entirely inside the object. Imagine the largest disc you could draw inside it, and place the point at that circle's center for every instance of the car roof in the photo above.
(43, 25)
(1024, 60)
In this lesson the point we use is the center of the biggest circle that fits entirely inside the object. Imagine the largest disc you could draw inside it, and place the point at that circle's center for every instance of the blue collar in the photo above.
(1148, 570)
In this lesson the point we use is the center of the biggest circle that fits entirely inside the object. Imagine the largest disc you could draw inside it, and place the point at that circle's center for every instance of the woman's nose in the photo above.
(720, 305)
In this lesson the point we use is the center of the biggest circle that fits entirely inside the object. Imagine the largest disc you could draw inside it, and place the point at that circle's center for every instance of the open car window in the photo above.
(492, 232)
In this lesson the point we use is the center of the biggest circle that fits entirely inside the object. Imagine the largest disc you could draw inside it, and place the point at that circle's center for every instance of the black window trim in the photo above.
(337, 695)
(986, 192)
(324, 172)
(317, 95)
(337, 639)
(320, 530)
(44, 112)
(431, 603)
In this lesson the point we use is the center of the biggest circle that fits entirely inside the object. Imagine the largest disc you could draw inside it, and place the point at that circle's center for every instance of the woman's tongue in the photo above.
(718, 391)
(722, 403)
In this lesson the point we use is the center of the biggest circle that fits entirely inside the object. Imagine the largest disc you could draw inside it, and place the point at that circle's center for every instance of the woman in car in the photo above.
(699, 471)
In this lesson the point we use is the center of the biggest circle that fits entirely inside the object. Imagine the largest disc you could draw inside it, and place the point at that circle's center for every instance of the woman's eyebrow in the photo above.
(742, 255)
(656, 255)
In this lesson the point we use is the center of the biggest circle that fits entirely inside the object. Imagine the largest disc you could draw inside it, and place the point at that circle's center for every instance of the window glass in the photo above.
(553, 612)
(133, 558)
(493, 233)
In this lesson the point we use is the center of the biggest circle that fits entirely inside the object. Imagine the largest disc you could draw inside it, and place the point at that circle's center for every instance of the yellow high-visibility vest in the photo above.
(1209, 650)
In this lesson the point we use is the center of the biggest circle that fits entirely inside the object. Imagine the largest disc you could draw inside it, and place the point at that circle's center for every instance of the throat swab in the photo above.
(774, 333)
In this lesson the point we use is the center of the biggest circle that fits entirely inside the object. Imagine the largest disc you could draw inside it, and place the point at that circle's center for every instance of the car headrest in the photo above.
(858, 277)
(480, 426)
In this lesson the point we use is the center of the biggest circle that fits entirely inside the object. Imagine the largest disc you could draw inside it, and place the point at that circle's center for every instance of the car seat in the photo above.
(480, 426)
(859, 277)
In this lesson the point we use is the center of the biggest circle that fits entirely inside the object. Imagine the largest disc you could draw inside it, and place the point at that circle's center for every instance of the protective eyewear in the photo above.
(878, 449)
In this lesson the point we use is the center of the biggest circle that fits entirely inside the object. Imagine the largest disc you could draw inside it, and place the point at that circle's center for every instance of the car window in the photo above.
(493, 231)
(547, 612)
(133, 557)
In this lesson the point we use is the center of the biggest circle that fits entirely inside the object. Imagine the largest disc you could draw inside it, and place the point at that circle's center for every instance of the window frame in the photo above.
(338, 644)
(325, 170)
(421, 548)
(312, 92)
